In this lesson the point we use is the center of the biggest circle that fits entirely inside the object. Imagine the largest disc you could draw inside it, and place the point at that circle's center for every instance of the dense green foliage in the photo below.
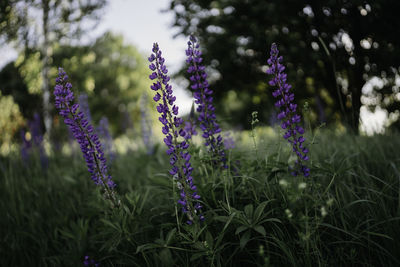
(331, 49)
(112, 73)
(26, 22)
(346, 214)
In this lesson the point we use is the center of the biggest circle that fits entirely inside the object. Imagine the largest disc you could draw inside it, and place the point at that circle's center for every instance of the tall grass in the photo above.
(345, 214)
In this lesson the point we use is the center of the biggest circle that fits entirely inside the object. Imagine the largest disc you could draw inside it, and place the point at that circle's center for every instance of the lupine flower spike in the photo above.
(84, 106)
(37, 138)
(190, 125)
(34, 140)
(177, 150)
(146, 125)
(105, 136)
(25, 147)
(83, 132)
(288, 114)
(90, 262)
(203, 97)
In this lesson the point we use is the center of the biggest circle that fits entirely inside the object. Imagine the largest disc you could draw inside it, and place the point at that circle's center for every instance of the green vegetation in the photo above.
(345, 214)
(331, 50)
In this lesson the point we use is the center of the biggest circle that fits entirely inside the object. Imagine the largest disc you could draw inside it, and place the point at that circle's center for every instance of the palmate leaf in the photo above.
(245, 238)
(260, 229)
(248, 210)
(241, 229)
(259, 210)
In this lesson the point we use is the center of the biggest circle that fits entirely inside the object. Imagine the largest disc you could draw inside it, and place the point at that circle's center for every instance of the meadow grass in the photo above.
(256, 214)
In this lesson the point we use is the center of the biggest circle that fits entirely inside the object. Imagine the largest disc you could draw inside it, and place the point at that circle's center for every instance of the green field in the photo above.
(347, 213)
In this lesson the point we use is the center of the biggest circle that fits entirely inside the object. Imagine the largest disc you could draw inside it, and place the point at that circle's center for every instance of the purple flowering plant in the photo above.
(90, 262)
(25, 147)
(177, 148)
(35, 141)
(288, 111)
(84, 106)
(146, 123)
(190, 124)
(83, 132)
(203, 98)
(103, 130)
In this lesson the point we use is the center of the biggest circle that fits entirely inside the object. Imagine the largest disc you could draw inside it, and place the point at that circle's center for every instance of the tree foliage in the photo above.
(331, 49)
(21, 21)
(37, 24)
(113, 75)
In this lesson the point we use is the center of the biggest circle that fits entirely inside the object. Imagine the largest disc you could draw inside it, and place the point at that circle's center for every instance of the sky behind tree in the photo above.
(142, 23)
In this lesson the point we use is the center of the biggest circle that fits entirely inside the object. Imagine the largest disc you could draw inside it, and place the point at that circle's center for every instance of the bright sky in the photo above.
(142, 23)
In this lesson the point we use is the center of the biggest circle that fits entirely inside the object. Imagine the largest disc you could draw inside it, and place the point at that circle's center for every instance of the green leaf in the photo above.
(166, 256)
(221, 234)
(170, 235)
(248, 210)
(270, 220)
(145, 247)
(229, 221)
(67, 234)
(195, 256)
(244, 239)
(260, 229)
(116, 227)
(241, 229)
(259, 210)
(221, 218)
(209, 239)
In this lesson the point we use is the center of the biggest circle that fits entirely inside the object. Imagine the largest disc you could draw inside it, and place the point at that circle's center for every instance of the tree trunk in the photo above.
(45, 71)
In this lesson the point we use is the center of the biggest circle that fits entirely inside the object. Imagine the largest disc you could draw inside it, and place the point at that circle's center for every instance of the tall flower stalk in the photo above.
(103, 130)
(177, 150)
(288, 111)
(147, 134)
(35, 140)
(203, 98)
(25, 147)
(35, 127)
(190, 124)
(84, 106)
(83, 132)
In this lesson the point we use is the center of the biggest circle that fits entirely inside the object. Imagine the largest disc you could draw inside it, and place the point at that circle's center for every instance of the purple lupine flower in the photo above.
(103, 131)
(146, 126)
(83, 132)
(90, 262)
(177, 150)
(203, 97)
(34, 142)
(126, 122)
(35, 128)
(84, 106)
(25, 148)
(190, 129)
(229, 142)
(190, 124)
(287, 114)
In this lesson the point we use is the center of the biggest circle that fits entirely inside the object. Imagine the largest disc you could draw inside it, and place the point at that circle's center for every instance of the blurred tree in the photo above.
(13, 84)
(34, 25)
(10, 121)
(113, 75)
(331, 48)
